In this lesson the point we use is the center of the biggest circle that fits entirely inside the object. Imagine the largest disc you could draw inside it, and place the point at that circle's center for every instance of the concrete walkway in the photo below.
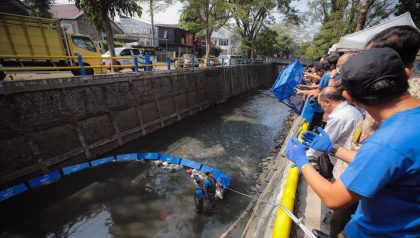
(310, 208)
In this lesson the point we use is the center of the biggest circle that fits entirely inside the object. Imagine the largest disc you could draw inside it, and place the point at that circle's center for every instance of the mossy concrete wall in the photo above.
(48, 124)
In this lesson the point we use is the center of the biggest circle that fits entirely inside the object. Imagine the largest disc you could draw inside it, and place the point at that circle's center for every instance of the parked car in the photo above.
(213, 61)
(188, 60)
(230, 59)
(128, 51)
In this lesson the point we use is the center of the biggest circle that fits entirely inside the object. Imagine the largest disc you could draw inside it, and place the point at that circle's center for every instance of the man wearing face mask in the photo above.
(335, 80)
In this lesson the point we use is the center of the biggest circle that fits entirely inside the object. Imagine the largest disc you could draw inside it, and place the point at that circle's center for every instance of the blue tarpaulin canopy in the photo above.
(288, 79)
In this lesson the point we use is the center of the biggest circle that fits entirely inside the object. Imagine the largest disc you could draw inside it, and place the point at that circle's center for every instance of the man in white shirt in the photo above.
(342, 120)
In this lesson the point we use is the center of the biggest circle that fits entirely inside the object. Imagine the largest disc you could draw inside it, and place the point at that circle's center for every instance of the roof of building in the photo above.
(65, 11)
(222, 32)
(170, 26)
(71, 12)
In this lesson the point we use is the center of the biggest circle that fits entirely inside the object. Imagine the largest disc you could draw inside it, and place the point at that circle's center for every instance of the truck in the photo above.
(37, 41)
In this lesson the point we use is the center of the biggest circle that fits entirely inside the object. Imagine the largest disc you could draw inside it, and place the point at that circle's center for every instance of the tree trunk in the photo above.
(153, 24)
(208, 44)
(110, 40)
(252, 49)
(362, 15)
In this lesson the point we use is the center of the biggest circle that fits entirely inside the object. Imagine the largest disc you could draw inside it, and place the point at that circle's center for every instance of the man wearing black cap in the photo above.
(385, 173)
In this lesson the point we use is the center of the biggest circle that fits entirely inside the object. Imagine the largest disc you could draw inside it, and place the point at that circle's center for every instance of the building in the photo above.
(173, 38)
(74, 21)
(139, 29)
(224, 38)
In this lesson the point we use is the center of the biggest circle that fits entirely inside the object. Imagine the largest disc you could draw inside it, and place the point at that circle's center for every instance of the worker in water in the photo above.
(199, 196)
(210, 184)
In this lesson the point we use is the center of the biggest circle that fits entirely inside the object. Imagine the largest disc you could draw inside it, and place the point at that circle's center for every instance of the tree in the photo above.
(266, 43)
(38, 8)
(154, 7)
(285, 44)
(100, 13)
(362, 15)
(412, 6)
(270, 41)
(251, 16)
(377, 10)
(204, 16)
(341, 17)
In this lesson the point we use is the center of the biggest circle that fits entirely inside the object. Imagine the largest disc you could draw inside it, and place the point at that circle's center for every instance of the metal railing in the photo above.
(78, 63)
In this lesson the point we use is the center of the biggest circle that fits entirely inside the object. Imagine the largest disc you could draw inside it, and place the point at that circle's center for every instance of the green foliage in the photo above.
(250, 17)
(285, 43)
(266, 43)
(412, 6)
(340, 17)
(215, 50)
(97, 11)
(190, 20)
(290, 14)
(203, 16)
(38, 8)
(270, 41)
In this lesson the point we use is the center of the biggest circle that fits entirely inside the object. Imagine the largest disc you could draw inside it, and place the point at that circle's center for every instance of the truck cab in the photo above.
(82, 44)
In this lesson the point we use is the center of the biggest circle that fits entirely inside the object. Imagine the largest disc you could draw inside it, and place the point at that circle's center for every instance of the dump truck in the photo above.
(31, 41)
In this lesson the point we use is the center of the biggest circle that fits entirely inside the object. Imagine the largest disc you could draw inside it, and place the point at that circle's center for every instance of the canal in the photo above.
(134, 199)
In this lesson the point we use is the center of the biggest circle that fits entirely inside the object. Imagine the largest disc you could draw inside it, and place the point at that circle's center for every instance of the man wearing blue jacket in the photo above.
(199, 196)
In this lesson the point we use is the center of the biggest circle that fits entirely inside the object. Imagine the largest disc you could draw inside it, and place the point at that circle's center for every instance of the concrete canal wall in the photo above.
(48, 124)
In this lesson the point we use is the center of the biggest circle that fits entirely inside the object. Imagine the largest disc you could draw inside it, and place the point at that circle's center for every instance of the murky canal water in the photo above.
(134, 199)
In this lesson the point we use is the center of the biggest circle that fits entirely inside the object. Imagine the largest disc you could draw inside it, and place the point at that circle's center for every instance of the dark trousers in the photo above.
(199, 205)
(325, 166)
(340, 218)
(316, 121)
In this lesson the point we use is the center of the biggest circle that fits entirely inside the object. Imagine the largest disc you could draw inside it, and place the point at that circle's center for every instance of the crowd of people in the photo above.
(362, 152)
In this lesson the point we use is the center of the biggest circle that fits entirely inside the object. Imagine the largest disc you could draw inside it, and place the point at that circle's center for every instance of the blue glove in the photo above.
(296, 153)
(320, 142)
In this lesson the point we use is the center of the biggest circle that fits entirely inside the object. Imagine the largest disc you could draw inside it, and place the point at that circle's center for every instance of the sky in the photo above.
(169, 16)
(172, 13)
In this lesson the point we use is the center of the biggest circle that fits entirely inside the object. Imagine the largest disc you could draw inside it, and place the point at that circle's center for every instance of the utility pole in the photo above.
(153, 24)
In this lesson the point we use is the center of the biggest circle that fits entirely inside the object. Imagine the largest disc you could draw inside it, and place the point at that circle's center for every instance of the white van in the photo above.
(128, 51)
(230, 59)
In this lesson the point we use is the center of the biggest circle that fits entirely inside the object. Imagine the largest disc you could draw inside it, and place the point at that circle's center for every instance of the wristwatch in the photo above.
(334, 149)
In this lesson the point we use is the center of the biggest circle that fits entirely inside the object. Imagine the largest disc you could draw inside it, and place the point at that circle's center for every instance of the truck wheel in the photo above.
(2, 75)
(117, 69)
(89, 71)
(76, 72)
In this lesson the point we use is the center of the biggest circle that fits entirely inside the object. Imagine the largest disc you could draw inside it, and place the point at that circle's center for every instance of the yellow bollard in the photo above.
(283, 222)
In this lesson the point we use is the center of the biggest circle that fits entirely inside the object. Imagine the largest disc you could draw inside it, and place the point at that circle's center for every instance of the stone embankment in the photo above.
(51, 123)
